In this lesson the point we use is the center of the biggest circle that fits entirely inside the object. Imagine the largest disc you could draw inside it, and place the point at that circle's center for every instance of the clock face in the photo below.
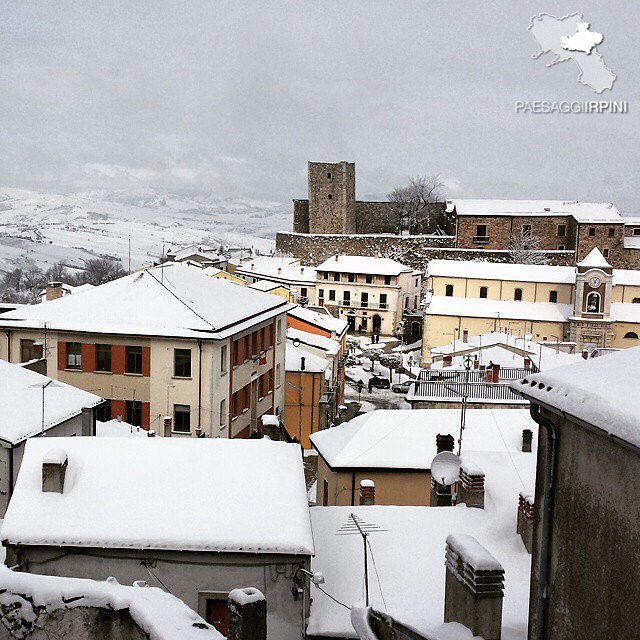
(594, 282)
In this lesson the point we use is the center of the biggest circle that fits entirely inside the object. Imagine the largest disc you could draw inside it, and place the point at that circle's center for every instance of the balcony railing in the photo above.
(480, 239)
(475, 375)
(359, 304)
(424, 390)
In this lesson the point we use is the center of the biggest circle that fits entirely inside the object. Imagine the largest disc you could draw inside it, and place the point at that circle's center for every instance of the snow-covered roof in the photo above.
(70, 289)
(594, 259)
(286, 270)
(195, 494)
(328, 345)
(159, 614)
(631, 221)
(499, 309)
(119, 429)
(631, 242)
(293, 357)
(323, 321)
(21, 402)
(501, 271)
(600, 391)
(173, 299)
(409, 549)
(202, 250)
(364, 264)
(267, 285)
(596, 212)
(625, 312)
(630, 277)
(406, 438)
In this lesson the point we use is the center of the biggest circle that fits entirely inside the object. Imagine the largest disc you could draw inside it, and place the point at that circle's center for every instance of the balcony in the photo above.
(480, 239)
(355, 304)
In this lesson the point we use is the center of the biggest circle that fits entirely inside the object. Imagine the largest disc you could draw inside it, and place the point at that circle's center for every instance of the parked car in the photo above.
(376, 382)
(402, 387)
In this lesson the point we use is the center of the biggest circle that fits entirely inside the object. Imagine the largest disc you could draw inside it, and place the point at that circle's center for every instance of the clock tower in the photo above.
(590, 324)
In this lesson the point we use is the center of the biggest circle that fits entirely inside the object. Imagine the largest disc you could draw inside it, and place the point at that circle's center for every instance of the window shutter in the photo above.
(62, 356)
(146, 362)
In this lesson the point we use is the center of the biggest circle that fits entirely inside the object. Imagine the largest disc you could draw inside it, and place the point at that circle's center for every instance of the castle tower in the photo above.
(590, 326)
(332, 197)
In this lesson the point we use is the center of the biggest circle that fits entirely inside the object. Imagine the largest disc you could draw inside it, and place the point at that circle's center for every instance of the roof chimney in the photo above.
(367, 492)
(524, 523)
(471, 485)
(54, 291)
(54, 468)
(167, 426)
(444, 442)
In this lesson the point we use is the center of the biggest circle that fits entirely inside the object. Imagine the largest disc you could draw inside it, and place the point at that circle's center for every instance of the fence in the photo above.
(455, 390)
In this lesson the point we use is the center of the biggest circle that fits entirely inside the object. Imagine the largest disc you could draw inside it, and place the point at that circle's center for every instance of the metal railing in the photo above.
(455, 390)
(475, 375)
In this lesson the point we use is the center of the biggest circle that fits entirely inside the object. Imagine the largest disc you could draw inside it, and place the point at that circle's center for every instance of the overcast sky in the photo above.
(233, 98)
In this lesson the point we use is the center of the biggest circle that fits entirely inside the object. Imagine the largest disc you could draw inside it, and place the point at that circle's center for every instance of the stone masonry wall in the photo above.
(414, 251)
(332, 197)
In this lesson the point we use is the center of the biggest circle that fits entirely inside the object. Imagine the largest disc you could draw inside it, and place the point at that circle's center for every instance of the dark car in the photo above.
(375, 382)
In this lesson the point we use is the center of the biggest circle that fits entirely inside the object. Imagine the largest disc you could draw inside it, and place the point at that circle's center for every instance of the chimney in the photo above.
(151, 433)
(465, 335)
(247, 614)
(88, 422)
(367, 492)
(279, 270)
(527, 439)
(54, 291)
(302, 363)
(54, 468)
(585, 354)
(444, 442)
(471, 485)
(271, 427)
(167, 426)
(474, 587)
(447, 360)
(524, 523)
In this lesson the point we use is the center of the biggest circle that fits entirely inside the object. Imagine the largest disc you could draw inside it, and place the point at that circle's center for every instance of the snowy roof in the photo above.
(625, 312)
(329, 345)
(293, 360)
(632, 242)
(501, 271)
(267, 285)
(70, 289)
(499, 309)
(626, 276)
(596, 212)
(119, 429)
(323, 321)
(600, 391)
(287, 270)
(406, 438)
(21, 402)
(594, 259)
(173, 299)
(409, 551)
(184, 494)
(159, 614)
(631, 220)
(363, 264)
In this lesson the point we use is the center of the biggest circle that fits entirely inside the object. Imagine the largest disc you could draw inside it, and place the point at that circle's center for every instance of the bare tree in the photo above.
(33, 281)
(414, 202)
(57, 272)
(524, 248)
(392, 361)
(100, 270)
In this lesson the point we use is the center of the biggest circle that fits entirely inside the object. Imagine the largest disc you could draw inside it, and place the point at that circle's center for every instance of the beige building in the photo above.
(371, 294)
(275, 289)
(167, 341)
(591, 306)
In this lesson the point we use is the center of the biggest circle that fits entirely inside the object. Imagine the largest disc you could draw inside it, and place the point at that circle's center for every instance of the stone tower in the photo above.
(332, 197)
(591, 321)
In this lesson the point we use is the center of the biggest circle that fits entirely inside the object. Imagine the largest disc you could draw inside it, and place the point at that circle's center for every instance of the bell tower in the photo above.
(590, 324)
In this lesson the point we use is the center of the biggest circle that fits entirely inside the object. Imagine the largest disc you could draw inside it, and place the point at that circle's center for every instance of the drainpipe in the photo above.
(353, 488)
(547, 513)
(199, 383)
(8, 334)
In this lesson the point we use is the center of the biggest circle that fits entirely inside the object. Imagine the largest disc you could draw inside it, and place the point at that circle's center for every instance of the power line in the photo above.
(342, 604)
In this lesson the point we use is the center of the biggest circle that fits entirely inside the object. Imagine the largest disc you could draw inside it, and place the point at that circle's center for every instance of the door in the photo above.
(351, 321)
(377, 323)
(217, 614)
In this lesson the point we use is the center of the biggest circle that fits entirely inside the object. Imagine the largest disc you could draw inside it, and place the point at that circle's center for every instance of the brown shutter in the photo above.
(146, 406)
(118, 409)
(62, 356)
(88, 357)
(146, 361)
(118, 356)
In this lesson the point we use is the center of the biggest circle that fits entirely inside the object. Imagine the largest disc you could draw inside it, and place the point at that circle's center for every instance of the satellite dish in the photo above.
(445, 468)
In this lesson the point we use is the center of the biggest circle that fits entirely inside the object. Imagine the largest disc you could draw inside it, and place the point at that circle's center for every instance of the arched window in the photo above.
(483, 292)
(449, 290)
(636, 301)
(593, 302)
(632, 334)
(517, 294)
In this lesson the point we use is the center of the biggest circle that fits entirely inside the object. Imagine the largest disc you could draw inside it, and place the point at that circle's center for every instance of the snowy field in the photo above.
(44, 228)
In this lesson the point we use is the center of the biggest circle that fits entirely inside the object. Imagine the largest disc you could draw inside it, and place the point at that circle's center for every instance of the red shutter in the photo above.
(88, 357)
(118, 409)
(146, 362)
(62, 356)
(118, 356)
(146, 407)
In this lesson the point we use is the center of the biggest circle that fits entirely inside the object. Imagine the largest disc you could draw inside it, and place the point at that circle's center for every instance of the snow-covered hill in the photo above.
(44, 228)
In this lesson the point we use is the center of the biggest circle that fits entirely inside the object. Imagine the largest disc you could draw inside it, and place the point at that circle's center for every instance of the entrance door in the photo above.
(217, 614)
(351, 321)
(377, 323)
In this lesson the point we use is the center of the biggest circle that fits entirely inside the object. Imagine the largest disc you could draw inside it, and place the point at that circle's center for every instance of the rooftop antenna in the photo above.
(44, 386)
(357, 526)
(129, 249)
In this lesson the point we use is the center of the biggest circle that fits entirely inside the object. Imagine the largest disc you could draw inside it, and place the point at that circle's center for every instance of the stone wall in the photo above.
(332, 197)
(414, 251)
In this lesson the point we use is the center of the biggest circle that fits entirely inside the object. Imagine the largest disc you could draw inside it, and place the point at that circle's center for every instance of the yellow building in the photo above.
(591, 305)
(275, 289)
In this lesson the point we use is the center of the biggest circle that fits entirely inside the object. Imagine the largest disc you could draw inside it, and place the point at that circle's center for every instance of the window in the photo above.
(223, 359)
(182, 363)
(526, 229)
(182, 418)
(303, 292)
(103, 357)
(612, 232)
(325, 275)
(133, 412)
(560, 247)
(593, 302)
(481, 230)
(553, 296)
(448, 290)
(103, 411)
(277, 375)
(632, 334)
(387, 279)
(27, 352)
(364, 323)
(636, 231)
(346, 297)
(605, 252)
(483, 292)
(351, 277)
(417, 281)
(223, 412)
(635, 301)
(332, 294)
(592, 231)
(562, 230)
(279, 331)
(74, 355)
(517, 294)
(369, 278)
(325, 493)
(329, 175)
(320, 296)
(133, 361)
(330, 197)
(383, 300)
(364, 299)
(336, 276)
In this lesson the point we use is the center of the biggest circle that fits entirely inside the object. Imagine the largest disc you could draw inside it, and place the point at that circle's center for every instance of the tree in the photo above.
(33, 281)
(393, 361)
(57, 272)
(372, 353)
(100, 270)
(414, 202)
(524, 248)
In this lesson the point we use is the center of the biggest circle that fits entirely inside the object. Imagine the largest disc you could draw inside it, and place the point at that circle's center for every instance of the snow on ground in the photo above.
(47, 228)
